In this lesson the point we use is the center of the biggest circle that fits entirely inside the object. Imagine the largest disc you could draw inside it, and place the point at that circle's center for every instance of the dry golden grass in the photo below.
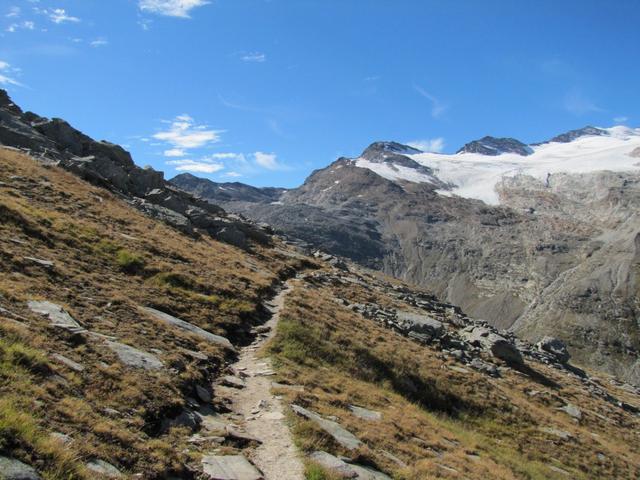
(109, 260)
(480, 427)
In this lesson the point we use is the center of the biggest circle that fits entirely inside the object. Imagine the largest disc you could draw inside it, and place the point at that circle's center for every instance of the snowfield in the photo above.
(476, 176)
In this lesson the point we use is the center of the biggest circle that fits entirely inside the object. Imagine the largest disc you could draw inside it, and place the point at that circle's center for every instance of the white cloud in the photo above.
(228, 156)
(576, 103)
(171, 8)
(185, 134)
(267, 160)
(621, 119)
(435, 145)
(26, 25)
(254, 57)
(99, 42)
(233, 174)
(5, 79)
(14, 12)
(202, 166)
(175, 152)
(59, 15)
(437, 107)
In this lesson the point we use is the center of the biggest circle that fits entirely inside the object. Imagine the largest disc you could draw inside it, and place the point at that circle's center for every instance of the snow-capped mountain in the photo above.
(475, 173)
(543, 239)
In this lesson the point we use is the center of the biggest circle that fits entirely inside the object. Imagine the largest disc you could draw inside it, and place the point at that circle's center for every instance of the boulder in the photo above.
(339, 434)
(188, 327)
(364, 413)
(499, 346)
(75, 366)
(186, 418)
(12, 469)
(133, 357)
(58, 317)
(420, 324)
(103, 468)
(555, 347)
(229, 467)
(332, 463)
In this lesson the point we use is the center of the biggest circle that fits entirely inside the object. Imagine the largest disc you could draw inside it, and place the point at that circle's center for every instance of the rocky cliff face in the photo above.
(557, 255)
(110, 166)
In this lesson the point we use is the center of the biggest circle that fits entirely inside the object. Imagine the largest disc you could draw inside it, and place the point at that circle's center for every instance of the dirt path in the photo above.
(257, 412)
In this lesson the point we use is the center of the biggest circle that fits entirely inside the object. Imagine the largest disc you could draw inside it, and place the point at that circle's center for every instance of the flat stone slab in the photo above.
(345, 438)
(229, 467)
(75, 366)
(231, 381)
(103, 468)
(334, 464)
(365, 414)
(58, 316)
(366, 473)
(12, 469)
(188, 327)
(40, 261)
(133, 357)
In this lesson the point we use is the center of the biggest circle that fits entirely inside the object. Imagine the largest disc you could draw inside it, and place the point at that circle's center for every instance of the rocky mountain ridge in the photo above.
(557, 256)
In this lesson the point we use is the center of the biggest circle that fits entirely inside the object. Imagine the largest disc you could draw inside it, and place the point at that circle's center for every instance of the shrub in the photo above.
(130, 262)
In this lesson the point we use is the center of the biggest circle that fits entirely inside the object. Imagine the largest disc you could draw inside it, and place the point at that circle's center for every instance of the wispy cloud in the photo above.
(175, 152)
(5, 71)
(435, 145)
(25, 25)
(437, 107)
(99, 42)
(59, 15)
(184, 133)
(14, 12)
(171, 8)
(200, 166)
(268, 161)
(576, 103)
(255, 57)
(622, 119)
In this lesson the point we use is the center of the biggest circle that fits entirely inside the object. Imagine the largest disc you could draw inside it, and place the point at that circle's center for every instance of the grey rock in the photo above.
(135, 358)
(333, 464)
(12, 469)
(555, 347)
(368, 473)
(62, 437)
(103, 468)
(229, 467)
(421, 324)
(188, 327)
(573, 411)
(339, 434)
(41, 262)
(231, 381)
(203, 394)
(58, 317)
(364, 413)
(75, 366)
(562, 434)
(186, 418)
(499, 346)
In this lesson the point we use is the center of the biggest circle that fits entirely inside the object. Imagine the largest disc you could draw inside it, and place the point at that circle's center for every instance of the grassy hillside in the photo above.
(107, 261)
(438, 419)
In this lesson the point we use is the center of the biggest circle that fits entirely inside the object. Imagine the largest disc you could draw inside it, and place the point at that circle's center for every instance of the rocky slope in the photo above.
(128, 350)
(540, 238)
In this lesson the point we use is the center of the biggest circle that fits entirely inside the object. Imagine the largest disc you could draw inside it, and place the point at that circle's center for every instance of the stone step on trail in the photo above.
(229, 467)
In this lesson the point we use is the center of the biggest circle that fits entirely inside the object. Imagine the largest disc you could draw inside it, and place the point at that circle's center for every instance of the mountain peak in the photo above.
(494, 146)
(388, 148)
(572, 135)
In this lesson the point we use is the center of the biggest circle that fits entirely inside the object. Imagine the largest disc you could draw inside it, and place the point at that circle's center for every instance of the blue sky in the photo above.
(265, 91)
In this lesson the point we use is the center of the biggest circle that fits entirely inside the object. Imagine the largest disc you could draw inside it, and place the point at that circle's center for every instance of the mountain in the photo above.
(496, 146)
(134, 347)
(543, 244)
